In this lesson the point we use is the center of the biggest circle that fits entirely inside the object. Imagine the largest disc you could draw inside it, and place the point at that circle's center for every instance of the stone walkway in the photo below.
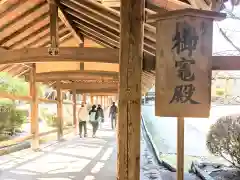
(78, 159)
(73, 159)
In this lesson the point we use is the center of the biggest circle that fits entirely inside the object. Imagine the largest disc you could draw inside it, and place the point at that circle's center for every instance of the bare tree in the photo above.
(224, 31)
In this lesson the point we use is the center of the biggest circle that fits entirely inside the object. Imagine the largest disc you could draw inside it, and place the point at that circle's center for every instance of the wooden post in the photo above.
(92, 100)
(84, 98)
(53, 50)
(105, 101)
(34, 109)
(108, 101)
(111, 99)
(59, 112)
(75, 119)
(102, 102)
(131, 55)
(116, 98)
(180, 148)
(97, 100)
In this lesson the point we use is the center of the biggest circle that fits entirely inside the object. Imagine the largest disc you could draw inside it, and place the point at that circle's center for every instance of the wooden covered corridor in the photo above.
(76, 45)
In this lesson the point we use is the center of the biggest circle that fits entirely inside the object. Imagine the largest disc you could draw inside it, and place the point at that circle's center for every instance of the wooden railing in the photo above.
(15, 141)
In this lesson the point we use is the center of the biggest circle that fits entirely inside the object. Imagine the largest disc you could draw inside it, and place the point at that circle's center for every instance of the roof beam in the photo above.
(37, 55)
(221, 63)
(67, 23)
(76, 75)
(100, 91)
(104, 94)
(226, 63)
(87, 86)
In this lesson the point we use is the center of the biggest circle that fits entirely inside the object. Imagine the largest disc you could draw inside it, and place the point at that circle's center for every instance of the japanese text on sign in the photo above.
(185, 39)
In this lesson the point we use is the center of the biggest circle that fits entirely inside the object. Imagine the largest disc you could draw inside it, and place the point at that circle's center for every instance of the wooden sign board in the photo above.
(183, 67)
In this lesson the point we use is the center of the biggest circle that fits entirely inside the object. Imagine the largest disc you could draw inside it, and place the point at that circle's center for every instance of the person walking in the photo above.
(113, 115)
(100, 115)
(93, 120)
(82, 117)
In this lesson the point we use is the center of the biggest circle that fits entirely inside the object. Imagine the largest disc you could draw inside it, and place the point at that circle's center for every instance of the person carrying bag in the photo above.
(93, 120)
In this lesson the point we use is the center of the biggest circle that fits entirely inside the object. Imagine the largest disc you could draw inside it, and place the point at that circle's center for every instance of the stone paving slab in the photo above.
(73, 159)
(78, 159)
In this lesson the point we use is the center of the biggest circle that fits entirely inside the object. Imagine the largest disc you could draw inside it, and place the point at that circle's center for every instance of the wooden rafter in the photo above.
(28, 22)
(95, 13)
(33, 35)
(67, 23)
(32, 8)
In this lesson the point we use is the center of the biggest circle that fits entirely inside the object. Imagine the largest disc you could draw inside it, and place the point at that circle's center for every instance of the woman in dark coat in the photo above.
(93, 120)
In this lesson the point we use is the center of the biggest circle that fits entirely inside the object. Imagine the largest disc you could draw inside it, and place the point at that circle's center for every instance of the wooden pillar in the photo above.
(105, 101)
(144, 99)
(84, 98)
(110, 100)
(102, 102)
(54, 38)
(75, 119)
(116, 98)
(180, 148)
(98, 100)
(59, 112)
(91, 99)
(131, 54)
(108, 103)
(34, 109)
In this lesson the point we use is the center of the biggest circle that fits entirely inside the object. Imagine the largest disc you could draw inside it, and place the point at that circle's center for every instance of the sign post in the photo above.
(183, 68)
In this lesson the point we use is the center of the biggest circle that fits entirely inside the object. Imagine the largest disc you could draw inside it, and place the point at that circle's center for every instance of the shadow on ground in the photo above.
(73, 159)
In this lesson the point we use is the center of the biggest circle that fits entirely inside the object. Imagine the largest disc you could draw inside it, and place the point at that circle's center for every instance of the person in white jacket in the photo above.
(83, 118)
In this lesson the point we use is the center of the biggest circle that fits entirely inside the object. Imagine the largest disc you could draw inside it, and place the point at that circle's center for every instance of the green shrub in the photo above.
(17, 118)
(223, 139)
(11, 118)
(50, 119)
(220, 92)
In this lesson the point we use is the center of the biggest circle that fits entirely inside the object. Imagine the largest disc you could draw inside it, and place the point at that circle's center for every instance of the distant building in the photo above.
(225, 83)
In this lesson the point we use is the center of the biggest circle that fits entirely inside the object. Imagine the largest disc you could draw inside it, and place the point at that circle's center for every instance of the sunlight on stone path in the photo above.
(73, 159)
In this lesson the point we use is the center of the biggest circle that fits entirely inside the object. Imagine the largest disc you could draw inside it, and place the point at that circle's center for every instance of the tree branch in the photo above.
(228, 39)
